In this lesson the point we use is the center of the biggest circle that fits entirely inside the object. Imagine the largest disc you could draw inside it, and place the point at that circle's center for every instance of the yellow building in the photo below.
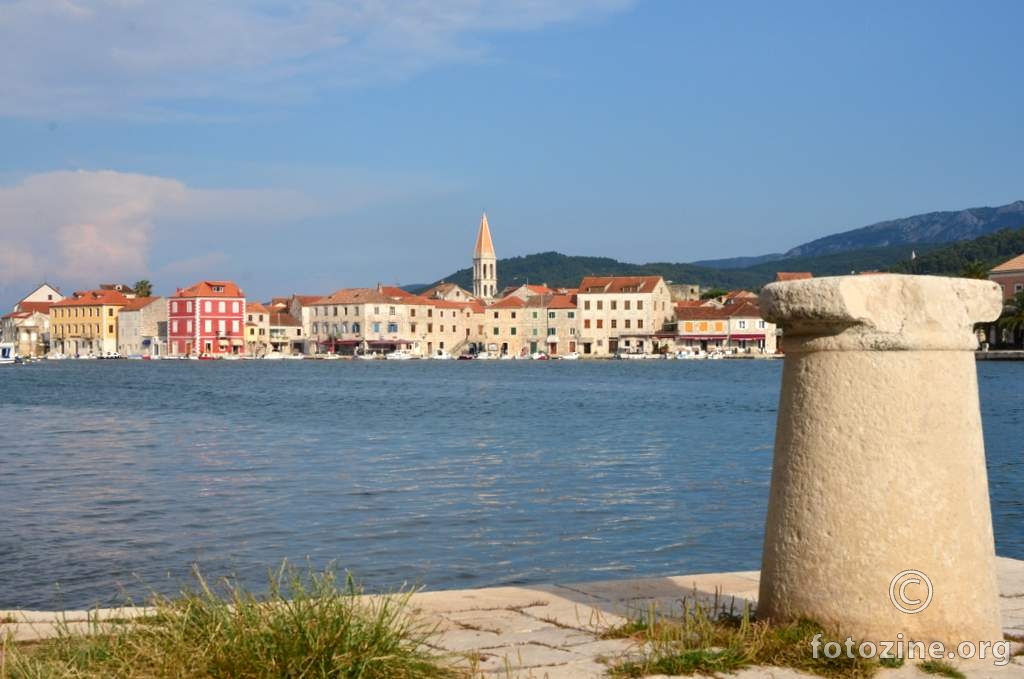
(85, 324)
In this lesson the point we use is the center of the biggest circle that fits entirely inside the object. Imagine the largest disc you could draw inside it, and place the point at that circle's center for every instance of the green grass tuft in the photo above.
(309, 625)
(714, 640)
(942, 669)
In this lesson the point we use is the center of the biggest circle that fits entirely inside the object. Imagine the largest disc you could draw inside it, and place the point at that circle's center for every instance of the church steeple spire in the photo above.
(485, 263)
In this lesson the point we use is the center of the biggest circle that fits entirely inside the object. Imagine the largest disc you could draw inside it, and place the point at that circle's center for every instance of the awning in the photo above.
(388, 343)
(747, 337)
(703, 338)
(552, 339)
(237, 342)
(340, 343)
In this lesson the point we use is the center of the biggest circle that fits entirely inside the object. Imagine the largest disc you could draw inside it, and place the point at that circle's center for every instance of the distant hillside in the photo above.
(560, 270)
(934, 227)
(918, 230)
(953, 260)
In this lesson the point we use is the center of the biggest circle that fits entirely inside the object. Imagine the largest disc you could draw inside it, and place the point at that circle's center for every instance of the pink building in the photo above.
(1009, 275)
(207, 319)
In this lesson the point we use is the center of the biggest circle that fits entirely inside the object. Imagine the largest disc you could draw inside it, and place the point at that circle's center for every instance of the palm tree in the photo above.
(1013, 318)
(143, 288)
(974, 269)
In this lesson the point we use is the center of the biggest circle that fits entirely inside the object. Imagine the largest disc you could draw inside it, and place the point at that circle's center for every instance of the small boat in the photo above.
(484, 356)
(399, 355)
(6, 353)
(539, 356)
(441, 355)
(571, 356)
(466, 357)
(368, 357)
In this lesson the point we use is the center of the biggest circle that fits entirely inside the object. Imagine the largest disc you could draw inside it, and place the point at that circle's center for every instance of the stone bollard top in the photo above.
(880, 312)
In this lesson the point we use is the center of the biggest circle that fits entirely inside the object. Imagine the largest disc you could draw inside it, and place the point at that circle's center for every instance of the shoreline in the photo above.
(550, 630)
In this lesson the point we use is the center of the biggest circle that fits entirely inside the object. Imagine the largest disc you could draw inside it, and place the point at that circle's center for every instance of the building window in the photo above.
(234, 325)
(234, 307)
(639, 305)
(188, 307)
(760, 324)
(209, 307)
(551, 332)
(551, 314)
(534, 332)
(513, 315)
(430, 327)
(743, 325)
(495, 332)
(615, 324)
(586, 305)
(625, 305)
(627, 324)
(392, 327)
(586, 323)
(110, 329)
(600, 305)
(614, 305)
(535, 314)
(495, 318)
(640, 322)
(412, 328)
(188, 326)
(110, 312)
(220, 326)
(174, 307)
(571, 315)
(355, 327)
(174, 326)
(600, 323)
(208, 326)
(512, 332)
(391, 311)
(376, 327)
(376, 310)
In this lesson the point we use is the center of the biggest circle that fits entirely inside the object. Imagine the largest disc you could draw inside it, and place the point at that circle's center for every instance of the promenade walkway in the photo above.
(554, 631)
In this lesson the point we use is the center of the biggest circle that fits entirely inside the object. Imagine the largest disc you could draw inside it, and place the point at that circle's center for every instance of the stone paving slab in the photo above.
(553, 631)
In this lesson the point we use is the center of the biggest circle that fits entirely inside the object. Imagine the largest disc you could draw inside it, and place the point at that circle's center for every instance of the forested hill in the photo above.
(558, 270)
(972, 257)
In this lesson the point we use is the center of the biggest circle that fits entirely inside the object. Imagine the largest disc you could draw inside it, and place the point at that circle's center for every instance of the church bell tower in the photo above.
(485, 263)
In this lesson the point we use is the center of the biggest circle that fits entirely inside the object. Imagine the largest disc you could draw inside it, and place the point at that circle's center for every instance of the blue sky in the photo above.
(303, 147)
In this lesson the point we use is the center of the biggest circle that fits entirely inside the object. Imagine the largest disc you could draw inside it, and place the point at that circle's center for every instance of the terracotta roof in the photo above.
(206, 289)
(139, 302)
(742, 309)
(17, 314)
(508, 303)
(689, 303)
(1015, 264)
(484, 245)
(307, 300)
(93, 298)
(734, 294)
(443, 289)
(551, 302)
(618, 284)
(283, 319)
(793, 275)
(41, 307)
(354, 296)
(256, 308)
(395, 291)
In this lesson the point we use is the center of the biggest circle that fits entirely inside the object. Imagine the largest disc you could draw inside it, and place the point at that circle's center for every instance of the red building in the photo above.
(206, 319)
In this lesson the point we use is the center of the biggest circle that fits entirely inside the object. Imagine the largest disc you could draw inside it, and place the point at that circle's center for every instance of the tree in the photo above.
(974, 269)
(143, 288)
(1013, 318)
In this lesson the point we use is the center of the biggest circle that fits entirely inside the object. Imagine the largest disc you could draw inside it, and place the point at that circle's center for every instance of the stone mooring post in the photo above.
(879, 521)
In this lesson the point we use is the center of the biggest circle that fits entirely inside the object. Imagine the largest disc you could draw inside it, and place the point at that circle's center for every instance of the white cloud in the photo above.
(139, 58)
(84, 226)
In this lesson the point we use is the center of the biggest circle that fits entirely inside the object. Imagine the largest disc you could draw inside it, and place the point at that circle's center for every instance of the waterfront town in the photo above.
(603, 317)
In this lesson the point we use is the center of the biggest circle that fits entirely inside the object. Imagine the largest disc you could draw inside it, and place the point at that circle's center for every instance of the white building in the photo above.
(142, 327)
(622, 313)
(28, 324)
